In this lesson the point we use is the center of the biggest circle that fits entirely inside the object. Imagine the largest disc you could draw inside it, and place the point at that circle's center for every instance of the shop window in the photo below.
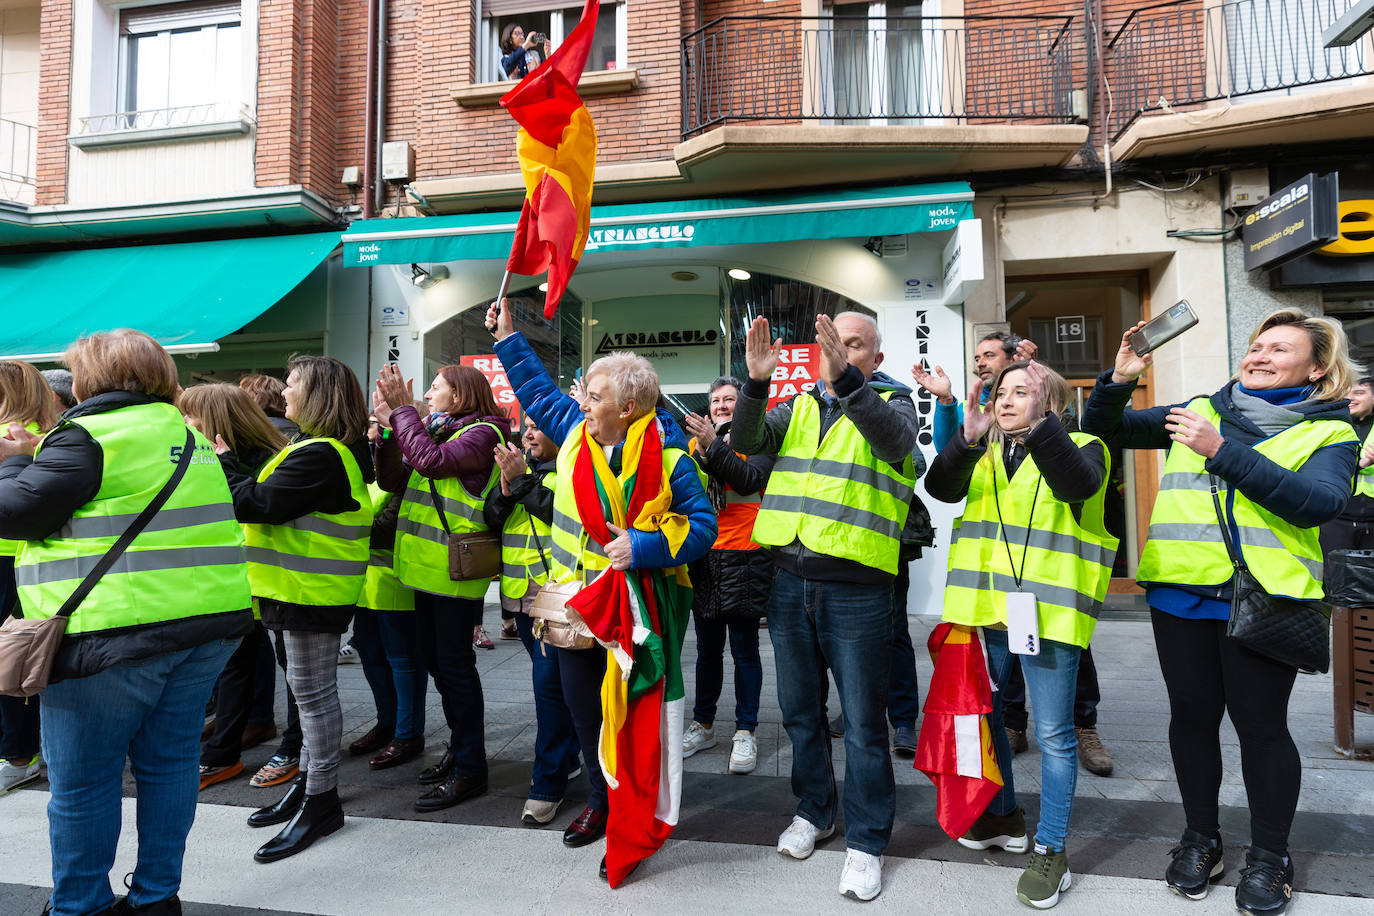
(554, 19)
(558, 343)
(791, 307)
(180, 64)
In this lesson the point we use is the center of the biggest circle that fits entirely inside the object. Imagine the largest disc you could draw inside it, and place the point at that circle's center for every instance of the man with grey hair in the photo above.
(832, 515)
(60, 381)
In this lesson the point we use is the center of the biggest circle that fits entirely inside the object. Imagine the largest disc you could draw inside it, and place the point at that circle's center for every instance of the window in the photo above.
(556, 19)
(871, 59)
(1277, 45)
(180, 64)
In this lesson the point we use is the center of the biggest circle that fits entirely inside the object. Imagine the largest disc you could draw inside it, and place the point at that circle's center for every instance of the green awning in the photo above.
(675, 224)
(183, 295)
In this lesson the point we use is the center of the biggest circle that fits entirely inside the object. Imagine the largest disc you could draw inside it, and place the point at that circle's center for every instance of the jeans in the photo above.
(389, 648)
(848, 628)
(444, 626)
(1050, 678)
(904, 694)
(18, 715)
(1086, 695)
(148, 712)
(744, 650)
(581, 671)
(555, 737)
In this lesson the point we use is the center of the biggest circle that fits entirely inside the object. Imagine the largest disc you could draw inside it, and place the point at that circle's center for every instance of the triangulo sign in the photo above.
(638, 340)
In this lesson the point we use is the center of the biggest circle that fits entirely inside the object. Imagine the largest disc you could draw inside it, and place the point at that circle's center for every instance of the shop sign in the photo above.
(1349, 260)
(1298, 219)
(961, 265)
(799, 368)
(490, 366)
(679, 334)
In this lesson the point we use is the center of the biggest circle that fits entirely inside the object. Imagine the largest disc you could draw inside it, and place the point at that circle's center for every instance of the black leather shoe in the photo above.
(432, 776)
(376, 739)
(451, 791)
(169, 907)
(397, 753)
(588, 827)
(1266, 883)
(1197, 863)
(283, 809)
(603, 870)
(318, 817)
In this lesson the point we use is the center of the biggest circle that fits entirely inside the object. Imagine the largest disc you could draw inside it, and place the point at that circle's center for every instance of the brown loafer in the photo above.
(397, 753)
(371, 743)
(255, 733)
(587, 828)
(450, 792)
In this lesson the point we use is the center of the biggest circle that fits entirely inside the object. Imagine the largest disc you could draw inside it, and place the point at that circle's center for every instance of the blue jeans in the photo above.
(848, 628)
(389, 650)
(1050, 678)
(150, 713)
(555, 738)
(744, 649)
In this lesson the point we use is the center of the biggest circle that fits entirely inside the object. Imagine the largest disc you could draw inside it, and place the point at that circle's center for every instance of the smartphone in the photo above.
(1161, 329)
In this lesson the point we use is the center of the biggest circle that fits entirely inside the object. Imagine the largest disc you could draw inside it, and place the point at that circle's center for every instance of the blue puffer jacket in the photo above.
(558, 414)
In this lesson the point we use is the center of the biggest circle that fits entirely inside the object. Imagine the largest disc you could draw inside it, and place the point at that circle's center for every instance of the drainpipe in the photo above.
(379, 128)
(369, 106)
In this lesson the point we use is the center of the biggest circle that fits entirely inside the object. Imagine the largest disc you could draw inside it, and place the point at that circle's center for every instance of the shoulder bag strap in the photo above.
(438, 505)
(133, 531)
(1237, 560)
(538, 545)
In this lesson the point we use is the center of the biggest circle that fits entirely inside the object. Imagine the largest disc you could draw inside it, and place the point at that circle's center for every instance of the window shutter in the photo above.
(143, 20)
(494, 9)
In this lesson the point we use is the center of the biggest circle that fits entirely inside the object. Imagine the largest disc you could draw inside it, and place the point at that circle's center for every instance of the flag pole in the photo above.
(505, 285)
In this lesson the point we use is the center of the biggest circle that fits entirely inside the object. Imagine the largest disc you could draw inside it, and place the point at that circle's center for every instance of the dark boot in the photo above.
(169, 907)
(284, 809)
(319, 816)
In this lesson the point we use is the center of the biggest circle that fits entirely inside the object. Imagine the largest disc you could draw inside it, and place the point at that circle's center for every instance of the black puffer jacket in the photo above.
(732, 584)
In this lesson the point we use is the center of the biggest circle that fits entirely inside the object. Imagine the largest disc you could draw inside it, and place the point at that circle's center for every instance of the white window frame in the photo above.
(929, 62)
(489, 61)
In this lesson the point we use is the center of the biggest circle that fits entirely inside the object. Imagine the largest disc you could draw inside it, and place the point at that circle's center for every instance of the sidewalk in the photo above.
(477, 858)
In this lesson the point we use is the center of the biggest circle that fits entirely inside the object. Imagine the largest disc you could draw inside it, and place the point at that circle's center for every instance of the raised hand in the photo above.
(1130, 367)
(937, 384)
(702, 428)
(977, 416)
(511, 460)
(380, 410)
(221, 447)
(578, 392)
(761, 352)
(395, 389)
(1025, 351)
(499, 321)
(834, 355)
(1037, 389)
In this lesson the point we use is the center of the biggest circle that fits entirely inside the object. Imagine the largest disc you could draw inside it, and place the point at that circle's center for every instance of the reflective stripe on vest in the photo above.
(318, 559)
(422, 547)
(574, 554)
(1068, 560)
(833, 495)
(1185, 545)
(172, 570)
(522, 562)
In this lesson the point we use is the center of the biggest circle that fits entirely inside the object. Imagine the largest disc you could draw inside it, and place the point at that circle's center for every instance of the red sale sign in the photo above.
(799, 368)
(491, 367)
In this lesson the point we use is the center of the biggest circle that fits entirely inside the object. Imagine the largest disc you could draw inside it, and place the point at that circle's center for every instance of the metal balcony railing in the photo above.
(842, 70)
(1181, 53)
(160, 118)
(18, 150)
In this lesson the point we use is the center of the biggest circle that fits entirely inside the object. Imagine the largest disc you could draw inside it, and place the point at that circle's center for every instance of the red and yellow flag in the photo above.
(955, 747)
(556, 146)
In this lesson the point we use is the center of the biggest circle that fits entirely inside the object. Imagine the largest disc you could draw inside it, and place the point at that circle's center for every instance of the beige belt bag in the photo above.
(552, 626)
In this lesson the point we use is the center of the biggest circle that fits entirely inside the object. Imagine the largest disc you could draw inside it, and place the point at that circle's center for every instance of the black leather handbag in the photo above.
(1293, 632)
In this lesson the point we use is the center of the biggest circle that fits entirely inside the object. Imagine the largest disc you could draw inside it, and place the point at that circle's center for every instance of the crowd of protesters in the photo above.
(310, 506)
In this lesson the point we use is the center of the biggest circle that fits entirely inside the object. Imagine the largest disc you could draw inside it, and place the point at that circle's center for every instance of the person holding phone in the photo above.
(1033, 531)
(1277, 441)
(521, 53)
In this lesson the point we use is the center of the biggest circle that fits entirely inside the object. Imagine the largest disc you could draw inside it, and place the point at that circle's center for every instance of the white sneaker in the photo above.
(348, 655)
(862, 878)
(697, 738)
(800, 838)
(539, 812)
(745, 754)
(15, 774)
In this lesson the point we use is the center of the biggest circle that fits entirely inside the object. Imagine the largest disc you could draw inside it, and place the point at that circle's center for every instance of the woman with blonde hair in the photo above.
(228, 413)
(308, 516)
(1273, 452)
(1033, 537)
(26, 400)
(144, 646)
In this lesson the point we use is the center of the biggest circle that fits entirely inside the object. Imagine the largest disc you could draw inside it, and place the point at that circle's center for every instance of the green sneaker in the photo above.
(1045, 878)
(1007, 831)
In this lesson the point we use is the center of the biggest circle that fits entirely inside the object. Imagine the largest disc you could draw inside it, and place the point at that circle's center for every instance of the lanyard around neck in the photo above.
(1001, 526)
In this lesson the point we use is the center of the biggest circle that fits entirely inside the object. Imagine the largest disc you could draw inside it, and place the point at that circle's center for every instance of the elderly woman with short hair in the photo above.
(630, 510)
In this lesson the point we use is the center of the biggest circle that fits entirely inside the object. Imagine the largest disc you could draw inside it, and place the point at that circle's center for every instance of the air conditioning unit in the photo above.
(398, 161)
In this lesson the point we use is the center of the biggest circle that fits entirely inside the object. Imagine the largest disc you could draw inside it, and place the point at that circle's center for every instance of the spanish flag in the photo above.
(557, 150)
(955, 747)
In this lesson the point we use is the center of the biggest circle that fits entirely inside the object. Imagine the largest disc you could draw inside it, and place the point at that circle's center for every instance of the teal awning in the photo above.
(182, 295)
(675, 224)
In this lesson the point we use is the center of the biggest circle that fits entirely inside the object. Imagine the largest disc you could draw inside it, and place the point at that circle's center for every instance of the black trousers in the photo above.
(1208, 674)
(445, 635)
(581, 671)
(233, 703)
(19, 731)
(1086, 695)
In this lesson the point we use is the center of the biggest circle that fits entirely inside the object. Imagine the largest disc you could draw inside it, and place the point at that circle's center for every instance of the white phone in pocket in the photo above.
(1023, 623)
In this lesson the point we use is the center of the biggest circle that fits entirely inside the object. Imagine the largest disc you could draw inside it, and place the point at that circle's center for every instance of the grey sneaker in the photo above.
(1045, 878)
(697, 737)
(15, 774)
(1005, 831)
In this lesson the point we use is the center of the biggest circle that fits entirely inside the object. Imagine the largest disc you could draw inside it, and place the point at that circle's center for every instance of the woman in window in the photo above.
(521, 53)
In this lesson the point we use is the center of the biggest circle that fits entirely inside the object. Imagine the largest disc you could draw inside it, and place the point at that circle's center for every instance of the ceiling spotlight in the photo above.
(683, 276)
(738, 273)
(427, 278)
(874, 246)
(544, 287)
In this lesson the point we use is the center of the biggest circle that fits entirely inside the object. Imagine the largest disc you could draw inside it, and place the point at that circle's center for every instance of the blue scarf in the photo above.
(1280, 397)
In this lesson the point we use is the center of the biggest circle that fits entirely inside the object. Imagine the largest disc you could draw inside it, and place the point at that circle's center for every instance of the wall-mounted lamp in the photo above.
(874, 246)
(544, 287)
(738, 273)
(427, 278)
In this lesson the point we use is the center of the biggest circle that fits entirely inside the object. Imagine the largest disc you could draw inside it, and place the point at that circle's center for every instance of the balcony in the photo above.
(18, 150)
(1187, 76)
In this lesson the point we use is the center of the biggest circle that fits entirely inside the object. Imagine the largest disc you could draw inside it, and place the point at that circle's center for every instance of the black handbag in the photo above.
(1350, 578)
(1296, 633)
